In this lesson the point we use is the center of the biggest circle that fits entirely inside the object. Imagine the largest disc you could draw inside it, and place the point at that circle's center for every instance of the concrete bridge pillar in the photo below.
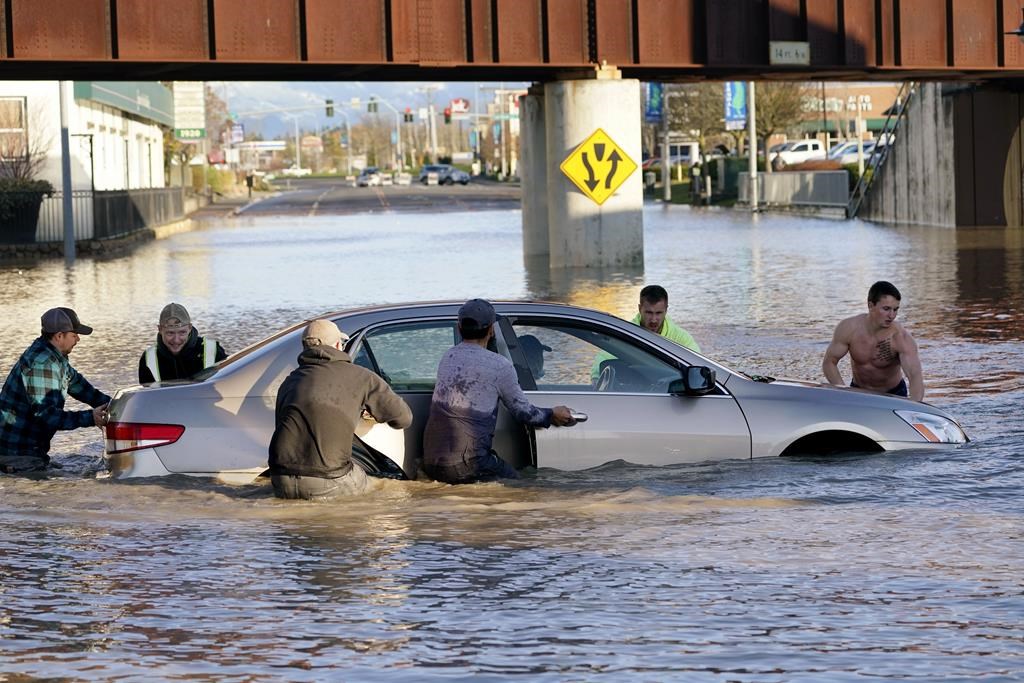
(533, 170)
(584, 231)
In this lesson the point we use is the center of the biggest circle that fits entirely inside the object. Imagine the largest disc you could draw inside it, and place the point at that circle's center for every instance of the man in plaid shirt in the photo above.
(32, 400)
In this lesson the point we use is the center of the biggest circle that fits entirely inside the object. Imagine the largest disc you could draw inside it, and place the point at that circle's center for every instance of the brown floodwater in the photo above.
(904, 566)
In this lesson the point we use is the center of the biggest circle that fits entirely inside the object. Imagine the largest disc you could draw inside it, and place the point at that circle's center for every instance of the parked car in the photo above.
(653, 163)
(846, 152)
(446, 174)
(368, 177)
(653, 403)
(296, 172)
(797, 151)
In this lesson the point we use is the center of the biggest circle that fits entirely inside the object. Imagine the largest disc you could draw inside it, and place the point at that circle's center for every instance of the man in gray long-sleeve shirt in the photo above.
(318, 406)
(464, 410)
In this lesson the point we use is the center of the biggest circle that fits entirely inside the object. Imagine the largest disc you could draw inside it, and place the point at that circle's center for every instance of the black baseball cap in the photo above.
(63, 320)
(476, 314)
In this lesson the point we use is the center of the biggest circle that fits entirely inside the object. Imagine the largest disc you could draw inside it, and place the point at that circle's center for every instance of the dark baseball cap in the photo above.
(63, 320)
(476, 314)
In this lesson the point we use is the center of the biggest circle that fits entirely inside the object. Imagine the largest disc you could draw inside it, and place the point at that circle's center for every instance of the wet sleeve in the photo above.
(511, 394)
(385, 405)
(80, 388)
(43, 387)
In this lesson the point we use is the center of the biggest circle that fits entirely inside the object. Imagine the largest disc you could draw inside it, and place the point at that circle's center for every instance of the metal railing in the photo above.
(880, 153)
(799, 188)
(106, 214)
(50, 227)
(120, 212)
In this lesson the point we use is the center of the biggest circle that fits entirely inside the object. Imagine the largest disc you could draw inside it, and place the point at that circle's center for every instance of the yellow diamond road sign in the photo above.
(598, 166)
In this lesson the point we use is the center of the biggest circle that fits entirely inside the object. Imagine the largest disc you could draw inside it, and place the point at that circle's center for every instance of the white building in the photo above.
(116, 134)
(115, 127)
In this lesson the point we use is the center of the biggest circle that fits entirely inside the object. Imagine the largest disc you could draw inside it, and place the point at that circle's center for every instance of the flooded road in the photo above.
(906, 566)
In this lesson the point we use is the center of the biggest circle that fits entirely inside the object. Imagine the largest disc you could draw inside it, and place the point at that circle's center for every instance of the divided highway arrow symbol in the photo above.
(615, 159)
(591, 181)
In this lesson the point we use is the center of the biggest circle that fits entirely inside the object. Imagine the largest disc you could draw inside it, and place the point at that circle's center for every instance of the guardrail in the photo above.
(799, 188)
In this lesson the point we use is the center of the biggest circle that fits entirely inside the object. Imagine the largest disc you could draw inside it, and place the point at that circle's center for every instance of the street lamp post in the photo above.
(398, 129)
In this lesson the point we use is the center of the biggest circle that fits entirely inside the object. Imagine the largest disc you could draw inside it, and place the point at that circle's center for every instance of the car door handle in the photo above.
(579, 417)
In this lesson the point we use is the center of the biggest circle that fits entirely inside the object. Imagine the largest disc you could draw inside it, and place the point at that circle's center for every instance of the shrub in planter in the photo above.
(20, 200)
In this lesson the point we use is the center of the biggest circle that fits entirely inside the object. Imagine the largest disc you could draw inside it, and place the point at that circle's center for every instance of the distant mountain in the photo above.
(251, 100)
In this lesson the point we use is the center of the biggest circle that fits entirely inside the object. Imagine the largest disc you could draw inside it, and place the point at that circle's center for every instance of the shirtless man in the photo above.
(881, 350)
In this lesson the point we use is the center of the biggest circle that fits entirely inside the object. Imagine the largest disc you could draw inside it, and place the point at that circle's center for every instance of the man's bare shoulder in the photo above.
(848, 327)
(902, 338)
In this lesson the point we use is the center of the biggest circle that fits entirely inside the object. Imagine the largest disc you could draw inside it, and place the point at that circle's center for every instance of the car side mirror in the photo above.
(696, 380)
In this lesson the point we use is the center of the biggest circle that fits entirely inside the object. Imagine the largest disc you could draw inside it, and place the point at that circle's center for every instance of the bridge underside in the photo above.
(526, 40)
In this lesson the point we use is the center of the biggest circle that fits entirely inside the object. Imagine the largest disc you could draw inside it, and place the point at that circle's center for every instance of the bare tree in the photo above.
(218, 120)
(24, 139)
(779, 109)
(698, 109)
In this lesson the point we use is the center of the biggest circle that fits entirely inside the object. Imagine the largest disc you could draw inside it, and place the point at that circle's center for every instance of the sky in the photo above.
(245, 98)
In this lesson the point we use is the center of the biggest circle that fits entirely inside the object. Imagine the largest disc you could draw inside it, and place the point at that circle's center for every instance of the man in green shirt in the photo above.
(652, 314)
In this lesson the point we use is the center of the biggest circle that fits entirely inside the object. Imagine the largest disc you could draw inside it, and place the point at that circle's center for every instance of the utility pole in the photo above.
(666, 161)
(65, 173)
(432, 124)
(752, 146)
(429, 90)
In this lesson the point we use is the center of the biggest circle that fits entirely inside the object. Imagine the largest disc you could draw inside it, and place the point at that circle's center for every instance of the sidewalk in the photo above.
(228, 205)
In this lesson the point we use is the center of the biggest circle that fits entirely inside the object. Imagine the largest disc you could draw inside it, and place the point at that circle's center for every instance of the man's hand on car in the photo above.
(561, 416)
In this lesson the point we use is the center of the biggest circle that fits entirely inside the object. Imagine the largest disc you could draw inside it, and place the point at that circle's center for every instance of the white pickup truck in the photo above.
(797, 151)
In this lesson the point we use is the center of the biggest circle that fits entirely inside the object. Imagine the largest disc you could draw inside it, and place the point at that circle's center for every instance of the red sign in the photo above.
(460, 105)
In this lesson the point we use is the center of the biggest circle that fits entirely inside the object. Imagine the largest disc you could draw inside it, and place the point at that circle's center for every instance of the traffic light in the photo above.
(447, 114)
(371, 106)
(330, 107)
(408, 115)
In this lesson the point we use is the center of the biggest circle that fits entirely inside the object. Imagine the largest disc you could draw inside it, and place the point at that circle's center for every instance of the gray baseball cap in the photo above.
(63, 320)
(173, 315)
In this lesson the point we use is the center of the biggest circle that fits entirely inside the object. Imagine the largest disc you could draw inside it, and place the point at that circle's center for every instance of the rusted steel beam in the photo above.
(162, 31)
(506, 39)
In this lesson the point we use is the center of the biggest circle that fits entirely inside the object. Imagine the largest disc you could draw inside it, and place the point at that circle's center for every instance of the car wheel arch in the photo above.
(827, 442)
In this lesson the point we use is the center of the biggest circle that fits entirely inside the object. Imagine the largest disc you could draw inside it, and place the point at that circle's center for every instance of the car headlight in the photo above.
(933, 428)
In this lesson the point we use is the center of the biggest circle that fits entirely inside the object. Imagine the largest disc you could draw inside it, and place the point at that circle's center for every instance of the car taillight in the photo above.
(131, 436)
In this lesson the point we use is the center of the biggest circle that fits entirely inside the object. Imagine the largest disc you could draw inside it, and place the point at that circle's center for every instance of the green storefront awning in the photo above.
(147, 100)
(832, 125)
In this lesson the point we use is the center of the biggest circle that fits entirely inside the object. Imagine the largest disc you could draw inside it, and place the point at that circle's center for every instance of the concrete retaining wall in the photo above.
(916, 185)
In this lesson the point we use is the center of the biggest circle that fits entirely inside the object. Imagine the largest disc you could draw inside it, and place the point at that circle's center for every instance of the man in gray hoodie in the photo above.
(318, 407)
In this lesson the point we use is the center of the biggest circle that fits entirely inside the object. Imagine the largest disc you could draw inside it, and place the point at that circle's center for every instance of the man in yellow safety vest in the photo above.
(179, 351)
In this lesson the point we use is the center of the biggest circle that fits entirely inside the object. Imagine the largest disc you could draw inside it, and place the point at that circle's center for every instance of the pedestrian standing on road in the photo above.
(318, 407)
(32, 399)
(464, 409)
(179, 351)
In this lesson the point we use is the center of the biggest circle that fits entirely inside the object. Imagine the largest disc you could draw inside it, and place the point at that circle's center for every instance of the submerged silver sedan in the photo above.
(646, 400)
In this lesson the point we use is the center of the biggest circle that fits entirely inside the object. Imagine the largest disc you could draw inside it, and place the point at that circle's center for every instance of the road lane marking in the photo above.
(316, 203)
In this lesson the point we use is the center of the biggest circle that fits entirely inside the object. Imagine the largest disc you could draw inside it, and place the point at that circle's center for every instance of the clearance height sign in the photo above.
(598, 166)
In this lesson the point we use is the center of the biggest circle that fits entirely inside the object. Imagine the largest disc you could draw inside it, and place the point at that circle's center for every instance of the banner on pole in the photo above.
(654, 102)
(735, 105)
